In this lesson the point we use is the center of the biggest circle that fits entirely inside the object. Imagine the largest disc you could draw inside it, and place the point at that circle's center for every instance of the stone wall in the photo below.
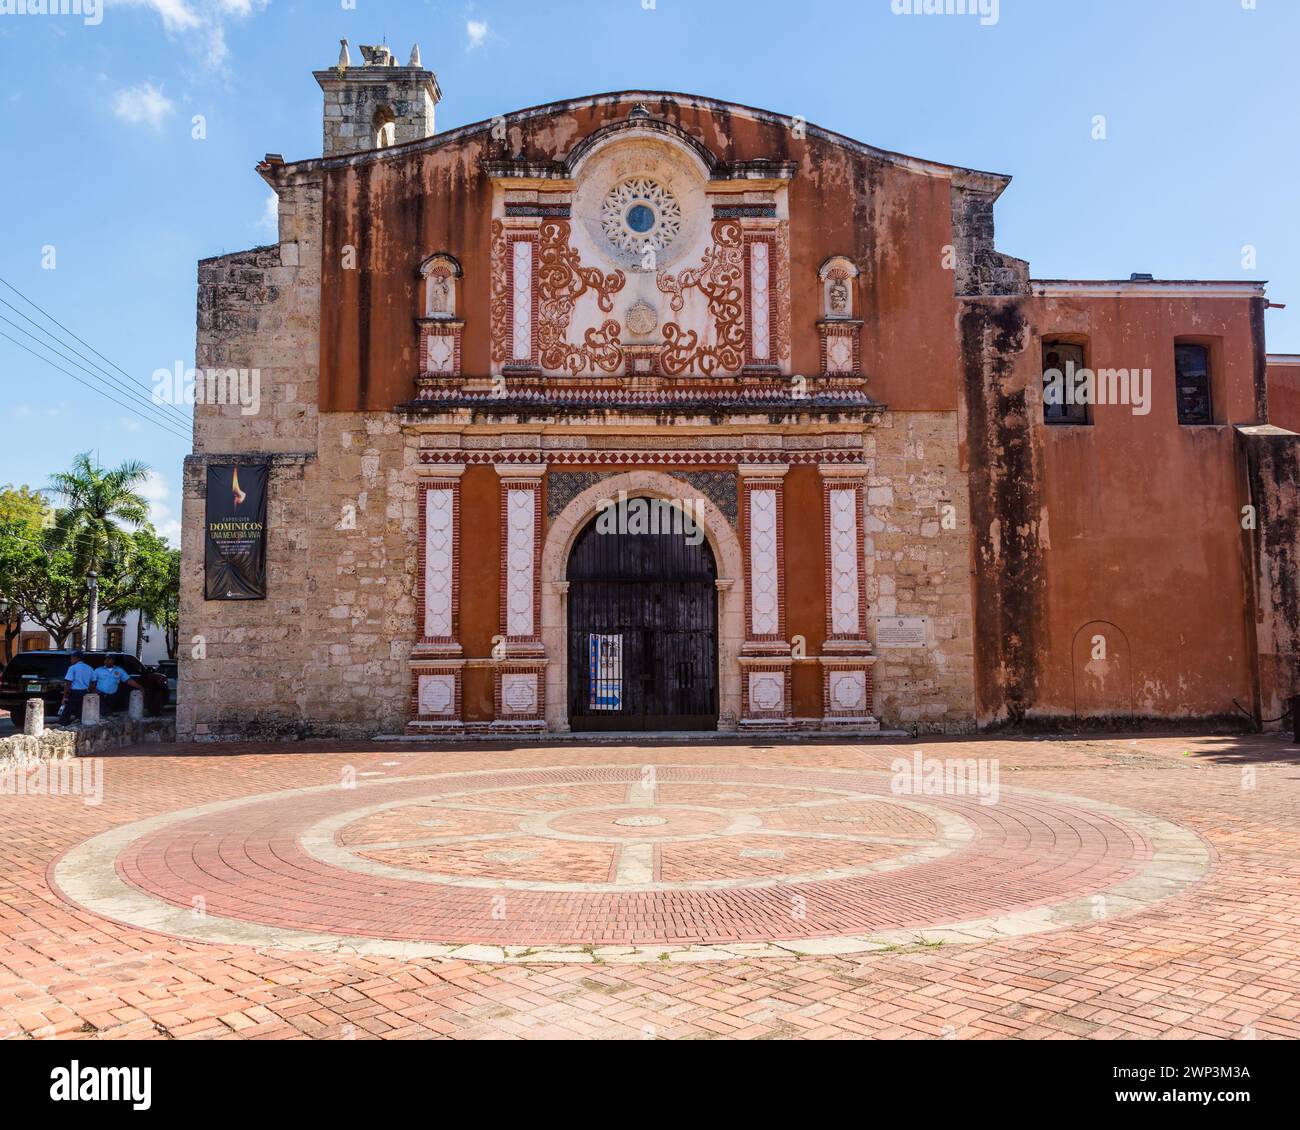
(978, 267)
(59, 742)
(409, 94)
(1272, 458)
(918, 554)
(326, 654)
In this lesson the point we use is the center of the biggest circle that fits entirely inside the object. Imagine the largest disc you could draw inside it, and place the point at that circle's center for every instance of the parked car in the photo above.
(42, 673)
(168, 667)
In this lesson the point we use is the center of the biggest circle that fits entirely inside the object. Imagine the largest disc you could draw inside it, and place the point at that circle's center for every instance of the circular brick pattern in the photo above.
(580, 863)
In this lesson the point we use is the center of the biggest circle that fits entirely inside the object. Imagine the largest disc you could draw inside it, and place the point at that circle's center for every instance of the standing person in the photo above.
(110, 680)
(77, 682)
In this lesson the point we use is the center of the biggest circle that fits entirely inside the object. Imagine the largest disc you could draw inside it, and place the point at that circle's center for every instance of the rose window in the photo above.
(640, 213)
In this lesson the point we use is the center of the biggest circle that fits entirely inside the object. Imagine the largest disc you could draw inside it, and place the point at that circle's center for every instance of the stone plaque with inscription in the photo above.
(898, 632)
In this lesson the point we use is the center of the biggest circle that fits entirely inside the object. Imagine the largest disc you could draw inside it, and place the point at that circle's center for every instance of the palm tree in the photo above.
(95, 502)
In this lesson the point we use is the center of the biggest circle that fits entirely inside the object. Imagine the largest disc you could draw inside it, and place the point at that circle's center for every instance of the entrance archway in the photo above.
(642, 621)
(561, 535)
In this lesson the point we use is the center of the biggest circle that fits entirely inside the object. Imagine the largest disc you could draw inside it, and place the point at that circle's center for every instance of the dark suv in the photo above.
(32, 673)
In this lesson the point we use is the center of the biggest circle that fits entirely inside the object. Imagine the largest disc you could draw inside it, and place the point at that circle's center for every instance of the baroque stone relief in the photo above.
(640, 226)
(641, 213)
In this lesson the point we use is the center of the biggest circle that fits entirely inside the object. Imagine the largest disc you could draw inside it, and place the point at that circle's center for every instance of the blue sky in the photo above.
(1200, 159)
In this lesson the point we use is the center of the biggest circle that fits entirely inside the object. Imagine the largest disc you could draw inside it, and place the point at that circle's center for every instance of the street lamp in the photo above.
(92, 624)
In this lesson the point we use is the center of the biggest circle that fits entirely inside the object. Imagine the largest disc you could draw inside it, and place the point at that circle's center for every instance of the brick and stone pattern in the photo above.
(1215, 957)
(918, 567)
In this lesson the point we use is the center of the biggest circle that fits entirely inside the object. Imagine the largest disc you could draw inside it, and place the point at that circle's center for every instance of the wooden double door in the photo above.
(643, 631)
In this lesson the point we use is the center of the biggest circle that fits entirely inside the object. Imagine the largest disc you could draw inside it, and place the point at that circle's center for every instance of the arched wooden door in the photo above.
(643, 631)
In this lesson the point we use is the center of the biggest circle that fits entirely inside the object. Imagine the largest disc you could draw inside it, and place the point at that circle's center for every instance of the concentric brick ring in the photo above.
(616, 863)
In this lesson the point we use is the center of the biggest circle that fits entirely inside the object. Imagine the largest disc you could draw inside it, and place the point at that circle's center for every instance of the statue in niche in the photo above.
(839, 297)
(439, 295)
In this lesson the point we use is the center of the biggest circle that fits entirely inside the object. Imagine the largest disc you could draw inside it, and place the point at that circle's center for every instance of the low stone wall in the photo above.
(87, 741)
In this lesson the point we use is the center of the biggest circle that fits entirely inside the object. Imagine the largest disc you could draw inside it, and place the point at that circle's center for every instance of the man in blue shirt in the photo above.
(79, 677)
(109, 681)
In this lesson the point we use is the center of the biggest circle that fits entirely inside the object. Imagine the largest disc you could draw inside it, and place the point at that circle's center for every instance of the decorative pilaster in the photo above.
(761, 307)
(846, 566)
(436, 663)
(521, 288)
(762, 492)
(848, 691)
(766, 663)
(521, 558)
(438, 574)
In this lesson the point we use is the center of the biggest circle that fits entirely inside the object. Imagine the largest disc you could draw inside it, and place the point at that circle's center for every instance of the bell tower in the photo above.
(378, 103)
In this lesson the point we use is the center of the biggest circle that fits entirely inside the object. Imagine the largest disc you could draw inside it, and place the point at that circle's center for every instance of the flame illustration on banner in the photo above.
(234, 484)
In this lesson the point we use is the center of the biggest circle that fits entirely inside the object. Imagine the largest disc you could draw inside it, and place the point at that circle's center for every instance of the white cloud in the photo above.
(157, 493)
(477, 31)
(200, 24)
(270, 220)
(177, 15)
(145, 104)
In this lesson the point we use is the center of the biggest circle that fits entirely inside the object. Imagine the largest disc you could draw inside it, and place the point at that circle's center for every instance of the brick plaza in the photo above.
(1111, 888)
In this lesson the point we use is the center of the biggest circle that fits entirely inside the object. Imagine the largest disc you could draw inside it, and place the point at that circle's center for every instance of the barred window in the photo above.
(1065, 395)
(1192, 384)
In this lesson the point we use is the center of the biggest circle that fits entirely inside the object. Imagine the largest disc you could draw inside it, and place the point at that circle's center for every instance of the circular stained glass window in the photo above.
(640, 213)
(640, 218)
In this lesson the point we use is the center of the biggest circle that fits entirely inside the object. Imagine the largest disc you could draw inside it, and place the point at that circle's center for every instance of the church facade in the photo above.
(649, 412)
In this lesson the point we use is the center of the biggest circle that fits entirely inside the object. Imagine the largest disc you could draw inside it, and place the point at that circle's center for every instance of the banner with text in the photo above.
(234, 532)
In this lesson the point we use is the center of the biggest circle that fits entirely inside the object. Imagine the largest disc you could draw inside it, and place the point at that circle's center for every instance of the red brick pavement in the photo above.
(1221, 959)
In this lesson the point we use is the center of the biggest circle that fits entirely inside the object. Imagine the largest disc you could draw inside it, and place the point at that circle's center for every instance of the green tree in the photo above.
(22, 504)
(24, 516)
(41, 580)
(98, 503)
(148, 583)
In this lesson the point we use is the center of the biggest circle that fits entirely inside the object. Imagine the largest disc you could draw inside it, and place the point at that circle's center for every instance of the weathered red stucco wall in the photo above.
(1120, 538)
(1284, 396)
(394, 210)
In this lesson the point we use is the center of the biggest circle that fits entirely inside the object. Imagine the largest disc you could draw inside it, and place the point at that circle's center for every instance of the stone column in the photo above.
(135, 706)
(34, 721)
(90, 710)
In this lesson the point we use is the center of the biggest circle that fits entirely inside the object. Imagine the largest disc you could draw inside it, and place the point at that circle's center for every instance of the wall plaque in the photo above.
(899, 632)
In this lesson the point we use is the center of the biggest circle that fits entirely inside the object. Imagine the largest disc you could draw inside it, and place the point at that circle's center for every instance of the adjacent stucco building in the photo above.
(473, 345)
